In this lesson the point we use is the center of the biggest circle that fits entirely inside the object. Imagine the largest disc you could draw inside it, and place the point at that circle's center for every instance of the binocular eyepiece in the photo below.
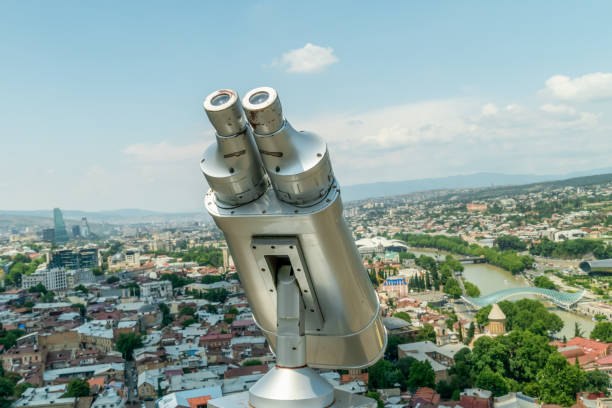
(260, 149)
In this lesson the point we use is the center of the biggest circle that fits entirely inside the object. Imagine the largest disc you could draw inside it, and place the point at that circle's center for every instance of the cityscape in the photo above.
(267, 204)
(490, 297)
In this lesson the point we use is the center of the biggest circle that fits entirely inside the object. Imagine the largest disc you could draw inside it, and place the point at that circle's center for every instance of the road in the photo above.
(131, 382)
(460, 280)
(463, 310)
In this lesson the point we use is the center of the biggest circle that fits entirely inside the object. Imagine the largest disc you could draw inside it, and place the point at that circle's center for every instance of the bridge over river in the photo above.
(564, 300)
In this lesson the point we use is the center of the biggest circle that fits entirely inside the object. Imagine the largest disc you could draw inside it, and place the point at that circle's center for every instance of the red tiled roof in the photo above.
(240, 371)
(216, 336)
(428, 395)
(96, 381)
(589, 344)
(605, 360)
(346, 378)
(198, 401)
(243, 323)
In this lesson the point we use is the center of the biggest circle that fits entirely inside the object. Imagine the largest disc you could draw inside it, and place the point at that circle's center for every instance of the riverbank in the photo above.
(490, 278)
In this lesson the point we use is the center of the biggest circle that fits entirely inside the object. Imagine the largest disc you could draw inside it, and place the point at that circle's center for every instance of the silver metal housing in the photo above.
(232, 166)
(297, 163)
(344, 328)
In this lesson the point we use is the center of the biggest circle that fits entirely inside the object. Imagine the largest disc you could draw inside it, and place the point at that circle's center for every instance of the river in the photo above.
(491, 279)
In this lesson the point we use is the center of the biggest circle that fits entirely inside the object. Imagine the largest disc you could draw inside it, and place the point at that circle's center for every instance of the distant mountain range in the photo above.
(127, 215)
(349, 193)
(391, 188)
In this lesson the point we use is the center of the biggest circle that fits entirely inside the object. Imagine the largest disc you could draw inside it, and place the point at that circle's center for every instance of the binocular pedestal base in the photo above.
(288, 387)
(342, 399)
(291, 383)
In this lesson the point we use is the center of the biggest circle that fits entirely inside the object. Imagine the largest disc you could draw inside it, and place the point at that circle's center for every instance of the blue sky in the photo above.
(100, 103)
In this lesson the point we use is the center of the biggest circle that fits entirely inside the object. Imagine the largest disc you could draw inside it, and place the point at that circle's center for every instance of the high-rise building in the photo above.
(84, 228)
(61, 235)
(76, 231)
(52, 279)
(49, 235)
(158, 290)
(75, 259)
(57, 278)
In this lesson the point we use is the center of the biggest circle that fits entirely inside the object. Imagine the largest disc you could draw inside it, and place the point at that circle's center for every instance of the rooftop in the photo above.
(187, 399)
(496, 313)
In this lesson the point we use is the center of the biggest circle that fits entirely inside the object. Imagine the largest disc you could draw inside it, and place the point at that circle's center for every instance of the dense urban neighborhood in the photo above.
(494, 297)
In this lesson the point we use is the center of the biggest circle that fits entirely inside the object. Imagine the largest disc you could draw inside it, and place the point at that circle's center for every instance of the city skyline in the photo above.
(116, 93)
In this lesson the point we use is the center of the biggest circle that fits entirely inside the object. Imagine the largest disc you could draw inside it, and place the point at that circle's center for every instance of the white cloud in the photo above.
(588, 87)
(459, 136)
(489, 109)
(308, 59)
(164, 151)
(558, 109)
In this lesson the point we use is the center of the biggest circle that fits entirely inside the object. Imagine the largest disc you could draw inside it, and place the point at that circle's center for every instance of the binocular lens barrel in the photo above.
(232, 166)
(224, 112)
(297, 163)
(263, 110)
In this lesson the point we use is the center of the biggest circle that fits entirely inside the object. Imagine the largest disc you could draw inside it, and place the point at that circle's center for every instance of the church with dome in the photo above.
(497, 322)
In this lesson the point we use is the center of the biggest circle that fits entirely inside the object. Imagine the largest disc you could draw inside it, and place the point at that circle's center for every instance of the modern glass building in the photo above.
(61, 235)
(84, 228)
(75, 259)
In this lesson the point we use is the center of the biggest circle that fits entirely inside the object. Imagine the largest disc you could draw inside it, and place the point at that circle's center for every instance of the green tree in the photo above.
(112, 279)
(471, 289)
(444, 389)
(577, 330)
(406, 255)
(166, 316)
(81, 288)
(421, 375)
(452, 288)
(127, 342)
(404, 364)
(216, 295)
(81, 307)
(188, 322)
(510, 242)
(544, 282)
(492, 381)
(559, 381)
(528, 353)
(383, 374)
(456, 395)
(208, 279)
(20, 388)
(38, 288)
(482, 315)
(391, 350)
(596, 381)
(77, 388)
(176, 280)
(426, 332)
(462, 370)
(7, 387)
(488, 352)
(8, 338)
(602, 332)
(187, 311)
(470, 333)
(376, 396)
(48, 297)
(252, 362)
(403, 315)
